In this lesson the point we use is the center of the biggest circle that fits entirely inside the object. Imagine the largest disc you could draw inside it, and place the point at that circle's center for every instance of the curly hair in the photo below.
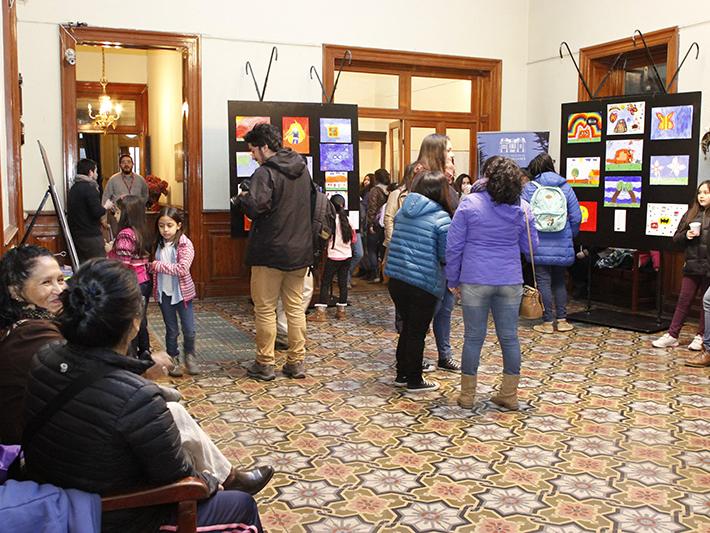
(265, 135)
(504, 180)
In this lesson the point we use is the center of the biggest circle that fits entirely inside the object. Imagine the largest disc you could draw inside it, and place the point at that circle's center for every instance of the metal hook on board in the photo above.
(584, 82)
(347, 56)
(611, 69)
(650, 59)
(320, 82)
(250, 70)
(697, 55)
(256, 85)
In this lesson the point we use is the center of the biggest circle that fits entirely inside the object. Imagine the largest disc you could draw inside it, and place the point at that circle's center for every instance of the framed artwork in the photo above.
(336, 181)
(583, 171)
(584, 127)
(622, 191)
(336, 157)
(671, 122)
(589, 216)
(296, 134)
(625, 118)
(245, 124)
(662, 219)
(624, 155)
(335, 130)
(669, 169)
(246, 166)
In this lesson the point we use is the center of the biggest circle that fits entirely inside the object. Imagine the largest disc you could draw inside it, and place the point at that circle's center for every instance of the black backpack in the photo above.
(322, 220)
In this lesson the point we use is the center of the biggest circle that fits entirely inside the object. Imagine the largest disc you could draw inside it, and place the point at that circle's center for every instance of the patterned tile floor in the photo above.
(614, 437)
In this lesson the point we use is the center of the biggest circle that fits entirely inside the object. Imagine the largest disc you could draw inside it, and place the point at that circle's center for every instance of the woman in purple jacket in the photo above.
(483, 247)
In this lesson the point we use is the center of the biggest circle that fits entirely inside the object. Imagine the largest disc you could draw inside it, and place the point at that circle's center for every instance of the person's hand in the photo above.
(456, 291)
(108, 246)
(690, 234)
(163, 363)
(108, 205)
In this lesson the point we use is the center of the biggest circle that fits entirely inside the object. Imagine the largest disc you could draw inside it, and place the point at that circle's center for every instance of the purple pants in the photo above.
(688, 289)
(228, 511)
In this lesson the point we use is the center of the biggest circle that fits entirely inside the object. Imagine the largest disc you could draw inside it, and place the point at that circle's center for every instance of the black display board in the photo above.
(634, 235)
(276, 111)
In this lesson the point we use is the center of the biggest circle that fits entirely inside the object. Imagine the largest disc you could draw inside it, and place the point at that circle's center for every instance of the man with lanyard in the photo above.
(125, 182)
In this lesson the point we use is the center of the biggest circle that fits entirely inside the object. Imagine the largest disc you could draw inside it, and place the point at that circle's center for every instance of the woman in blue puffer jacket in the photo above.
(556, 250)
(417, 253)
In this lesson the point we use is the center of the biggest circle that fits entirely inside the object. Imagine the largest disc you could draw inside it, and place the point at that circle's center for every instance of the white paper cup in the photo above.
(695, 227)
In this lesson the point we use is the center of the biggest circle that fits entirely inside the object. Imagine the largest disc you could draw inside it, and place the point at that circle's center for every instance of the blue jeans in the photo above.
(551, 284)
(187, 320)
(504, 302)
(357, 255)
(225, 508)
(442, 324)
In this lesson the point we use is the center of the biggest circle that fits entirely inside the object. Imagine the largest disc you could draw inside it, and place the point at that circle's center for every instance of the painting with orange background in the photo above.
(296, 134)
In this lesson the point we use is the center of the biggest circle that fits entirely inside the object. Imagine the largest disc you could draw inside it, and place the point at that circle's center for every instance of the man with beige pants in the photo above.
(277, 199)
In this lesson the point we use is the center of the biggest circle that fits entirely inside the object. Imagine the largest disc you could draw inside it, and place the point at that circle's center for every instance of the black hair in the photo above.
(133, 216)
(121, 156)
(694, 208)
(178, 215)
(265, 135)
(101, 301)
(346, 231)
(504, 180)
(458, 184)
(15, 268)
(541, 163)
(434, 186)
(84, 166)
(381, 176)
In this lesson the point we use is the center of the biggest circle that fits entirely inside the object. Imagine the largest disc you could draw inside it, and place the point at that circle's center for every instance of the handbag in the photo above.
(531, 306)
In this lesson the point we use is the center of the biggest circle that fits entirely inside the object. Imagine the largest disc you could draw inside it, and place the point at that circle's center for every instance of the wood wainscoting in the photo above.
(223, 261)
(47, 233)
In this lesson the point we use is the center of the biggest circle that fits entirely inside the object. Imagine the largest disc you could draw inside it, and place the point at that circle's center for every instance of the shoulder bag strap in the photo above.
(532, 256)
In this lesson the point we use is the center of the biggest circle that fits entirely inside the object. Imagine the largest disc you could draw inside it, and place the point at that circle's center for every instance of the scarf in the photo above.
(87, 179)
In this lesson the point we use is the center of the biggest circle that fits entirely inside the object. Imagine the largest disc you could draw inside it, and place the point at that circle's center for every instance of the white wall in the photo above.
(553, 81)
(234, 32)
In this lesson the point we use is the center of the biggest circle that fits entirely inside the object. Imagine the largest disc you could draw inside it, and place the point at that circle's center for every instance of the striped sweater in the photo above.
(125, 249)
(181, 269)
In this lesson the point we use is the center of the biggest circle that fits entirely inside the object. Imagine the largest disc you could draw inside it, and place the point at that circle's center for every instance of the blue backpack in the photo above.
(549, 206)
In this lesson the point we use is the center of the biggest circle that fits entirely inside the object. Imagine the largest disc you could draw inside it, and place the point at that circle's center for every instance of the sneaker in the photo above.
(427, 366)
(400, 381)
(424, 386)
(175, 371)
(545, 327)
(666, 341)
(449, 365)
(697, 343)
(294, 370)
(376, 279)
(563, 325)
(263, 372)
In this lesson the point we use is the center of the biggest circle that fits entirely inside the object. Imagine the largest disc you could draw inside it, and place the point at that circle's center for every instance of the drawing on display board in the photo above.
(335, 130)
(330, 194)
(669, 169)
(625, 118)
(309, 164)
(336, 157)
(584, 127)
(295, 134)
(583, 171)
(245, 124)
(246, 166)
(589, 216)
(671, 122)
(622, 191)
(662, 219)
(336, 181)
(624, 155)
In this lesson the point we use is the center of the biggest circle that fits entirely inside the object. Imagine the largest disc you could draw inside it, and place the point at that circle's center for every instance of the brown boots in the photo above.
(700, 360)
(340, 311)
(508, 394)
(319, 314)
(468, 391)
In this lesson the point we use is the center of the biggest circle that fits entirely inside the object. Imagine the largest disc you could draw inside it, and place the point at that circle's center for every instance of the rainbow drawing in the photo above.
(584, 127)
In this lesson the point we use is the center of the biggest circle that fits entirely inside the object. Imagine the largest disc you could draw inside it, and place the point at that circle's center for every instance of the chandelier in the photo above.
(109, 113)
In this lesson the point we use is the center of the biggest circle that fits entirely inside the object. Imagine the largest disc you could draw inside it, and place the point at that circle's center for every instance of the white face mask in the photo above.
(466, 188)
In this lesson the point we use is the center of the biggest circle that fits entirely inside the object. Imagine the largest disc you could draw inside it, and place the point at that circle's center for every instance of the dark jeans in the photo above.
(88, 248)
(416, 307)
(233, 509)
(341, 268)
(141, 343)
(688, 289)
(442, 325)
(187, 320)
(551, 284)
(375, 250)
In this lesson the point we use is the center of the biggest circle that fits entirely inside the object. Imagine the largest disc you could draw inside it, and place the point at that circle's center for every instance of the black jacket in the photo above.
(697, 262)
(115, 435)
(84, 209)
(279, 204)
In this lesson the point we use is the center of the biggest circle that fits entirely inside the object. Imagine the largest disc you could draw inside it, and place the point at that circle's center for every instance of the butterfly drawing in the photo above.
(665, 122)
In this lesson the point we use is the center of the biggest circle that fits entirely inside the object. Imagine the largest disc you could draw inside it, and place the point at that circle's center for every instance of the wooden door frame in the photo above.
(189, 45)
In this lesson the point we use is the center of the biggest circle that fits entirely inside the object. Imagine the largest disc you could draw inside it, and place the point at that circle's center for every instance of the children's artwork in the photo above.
(336, 181)
(624, 155)
(295, 134)
(669, 169)
(336, 157)
(309, 164)
(625, 119)
(622, 191)
(335, 130)
(344, 194)
(672, 122)
(246, 166)
(584, 127)
(620, 220)
(662, 219)
(583, 171)
(245, 124)
(589, 216)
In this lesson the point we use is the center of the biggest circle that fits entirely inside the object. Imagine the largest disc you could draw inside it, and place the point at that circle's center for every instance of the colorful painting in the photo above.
(672, 122)
(336, 157)
(669, 169)
(246, 166)
(335, 130)
(584, 127)
(589, 216)
(624, 155)
(296, 134)
(336, 181)
(662, 219)
(245, 124)
(625, 119)
(622, 191)
(583, 171)
(344, 194)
